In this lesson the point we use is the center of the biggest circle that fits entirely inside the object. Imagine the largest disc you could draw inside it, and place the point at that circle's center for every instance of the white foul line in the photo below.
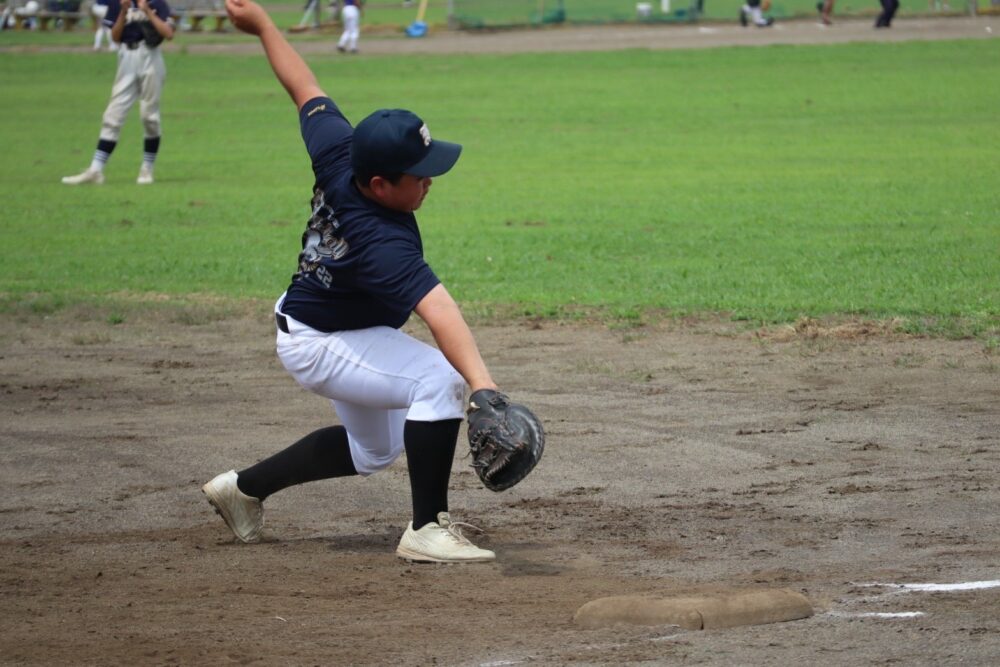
(876, 614)
(913, 588)
(935, 588)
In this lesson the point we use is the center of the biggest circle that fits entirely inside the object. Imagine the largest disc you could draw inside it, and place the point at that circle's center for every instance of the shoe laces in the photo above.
(454, 528)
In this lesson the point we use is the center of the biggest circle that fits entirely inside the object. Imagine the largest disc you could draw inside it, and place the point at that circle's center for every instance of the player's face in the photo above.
(408, 194)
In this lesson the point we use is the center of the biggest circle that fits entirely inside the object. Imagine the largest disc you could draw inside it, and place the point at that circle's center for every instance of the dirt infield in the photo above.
(604, 38)
(709, 35)
(681, 459)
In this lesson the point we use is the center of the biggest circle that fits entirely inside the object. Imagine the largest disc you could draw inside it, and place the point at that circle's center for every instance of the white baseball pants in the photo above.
(141, 73)
(351, 17)
(103, 31)
(376, 379)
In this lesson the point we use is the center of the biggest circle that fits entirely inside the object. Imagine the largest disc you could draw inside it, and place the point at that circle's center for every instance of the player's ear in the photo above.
(379, 185)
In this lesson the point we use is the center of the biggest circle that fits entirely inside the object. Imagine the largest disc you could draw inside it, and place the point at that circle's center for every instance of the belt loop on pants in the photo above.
(282, 322)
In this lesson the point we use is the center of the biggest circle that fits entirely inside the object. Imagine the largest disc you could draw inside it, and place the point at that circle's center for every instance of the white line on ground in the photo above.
(896, 589)
(875, 614)
(934, 588)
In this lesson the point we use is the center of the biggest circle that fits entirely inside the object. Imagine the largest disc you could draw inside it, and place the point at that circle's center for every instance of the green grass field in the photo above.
(764, 184)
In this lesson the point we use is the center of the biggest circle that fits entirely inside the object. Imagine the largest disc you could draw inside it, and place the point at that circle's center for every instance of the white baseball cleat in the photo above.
(243, 514)
(145, 175)
(441, 542)
(94, 176)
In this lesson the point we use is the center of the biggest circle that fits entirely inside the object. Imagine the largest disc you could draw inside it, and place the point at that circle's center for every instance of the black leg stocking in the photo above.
(430, 449)
(320, 455)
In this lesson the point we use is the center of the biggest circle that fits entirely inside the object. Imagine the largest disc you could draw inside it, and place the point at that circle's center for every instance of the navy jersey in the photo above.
(133, 30)
(362, 265)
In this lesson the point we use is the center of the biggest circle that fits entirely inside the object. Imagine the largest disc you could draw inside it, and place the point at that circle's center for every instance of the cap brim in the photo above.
(442, 157)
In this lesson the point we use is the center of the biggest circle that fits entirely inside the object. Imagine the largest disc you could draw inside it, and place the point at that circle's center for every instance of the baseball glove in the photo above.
(150, 35)
(505, 439)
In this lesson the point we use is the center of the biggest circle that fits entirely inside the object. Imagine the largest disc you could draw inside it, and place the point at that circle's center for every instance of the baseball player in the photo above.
(752, 10)
(99, 10)
(361, 273)
(310, 19)
(350, 15)
(889, 9)
(825, 9)
(139, 26)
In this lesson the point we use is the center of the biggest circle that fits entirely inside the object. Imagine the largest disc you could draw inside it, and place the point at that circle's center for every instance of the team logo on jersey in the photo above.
(320, 240)
(135, 15)
(425, 134)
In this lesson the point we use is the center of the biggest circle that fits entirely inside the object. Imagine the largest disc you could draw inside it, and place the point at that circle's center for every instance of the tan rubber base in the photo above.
(723, 610)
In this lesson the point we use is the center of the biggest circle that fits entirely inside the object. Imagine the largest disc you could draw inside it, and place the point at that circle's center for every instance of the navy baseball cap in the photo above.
(396, 141)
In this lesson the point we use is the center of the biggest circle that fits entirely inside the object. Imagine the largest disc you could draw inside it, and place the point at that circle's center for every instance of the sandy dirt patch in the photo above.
(679, 461)
(597, 38)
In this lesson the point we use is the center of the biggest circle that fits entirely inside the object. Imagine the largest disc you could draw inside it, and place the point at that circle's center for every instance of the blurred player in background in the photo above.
(139, 26)
(350, 15)
(100, 10)
(889, 8)
(825, 9)
(754, 11)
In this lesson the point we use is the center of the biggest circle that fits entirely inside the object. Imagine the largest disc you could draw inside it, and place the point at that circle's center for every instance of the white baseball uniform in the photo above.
(376, 379)
(350, 15)
(140, 76)
(361, 274)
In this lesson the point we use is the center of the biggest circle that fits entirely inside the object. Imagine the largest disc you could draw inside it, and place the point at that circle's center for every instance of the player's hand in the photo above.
(143, 5)
(247, 16)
